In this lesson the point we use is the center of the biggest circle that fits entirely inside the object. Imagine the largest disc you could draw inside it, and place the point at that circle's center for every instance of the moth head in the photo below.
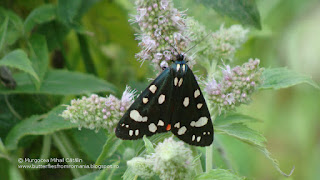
(180, 57)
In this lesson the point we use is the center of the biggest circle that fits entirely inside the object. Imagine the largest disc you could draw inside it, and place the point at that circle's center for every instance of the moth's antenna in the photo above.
(196, 44)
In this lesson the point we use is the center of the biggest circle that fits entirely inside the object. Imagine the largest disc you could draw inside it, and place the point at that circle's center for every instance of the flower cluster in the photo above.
(227, 41)
(171, 160)
(162, 27)
(96, 112)
(221, 44)
(236, 85)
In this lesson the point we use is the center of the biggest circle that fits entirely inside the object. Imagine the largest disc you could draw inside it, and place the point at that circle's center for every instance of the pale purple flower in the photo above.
(164, 65)
(162, 26)
(158, 56)
(164, 4)
(96, 112)
(167, 55)
(230, 98)
(235, 86)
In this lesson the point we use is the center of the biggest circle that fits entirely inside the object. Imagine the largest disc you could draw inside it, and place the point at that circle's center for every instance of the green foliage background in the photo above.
(94, 37)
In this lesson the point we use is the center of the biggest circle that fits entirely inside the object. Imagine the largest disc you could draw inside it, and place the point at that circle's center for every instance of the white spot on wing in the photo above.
(127, 126)
(175, 81)
(199, 105)
(178, 67)
(145, 100)
(201, 122)
(152, 127)
(153, 88)
(182, 130)
(183, 68)
(160, 123)
(122, 124)
(161, 99)
(196, 93)
(135, 115)
(193, 137)
(130, 132)
(180, 82)
(177, 125)
(198, 138)
(137, 132)
(186, 101)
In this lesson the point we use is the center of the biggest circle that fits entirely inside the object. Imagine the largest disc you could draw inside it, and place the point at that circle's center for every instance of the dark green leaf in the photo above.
(7, 119)
(71, 11)
(14, 28)
(244, 11)
(54, 32)
(39, 56)
(39, 15)
(19, 59)
(277, 78)
(218, 174)
(3, 32)
(233, 118)
(109, 148)
(68, 12)
(38, 125)
(61, 82)
(148, 145)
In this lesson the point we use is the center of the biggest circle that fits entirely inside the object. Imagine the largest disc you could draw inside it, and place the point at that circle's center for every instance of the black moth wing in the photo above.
(149, 113)
(191, 121)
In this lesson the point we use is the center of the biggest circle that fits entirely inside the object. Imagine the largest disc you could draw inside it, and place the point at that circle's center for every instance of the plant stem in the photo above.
(209, 152)
(14, 112)
(60, 143)
(87, 58)
(198, 167)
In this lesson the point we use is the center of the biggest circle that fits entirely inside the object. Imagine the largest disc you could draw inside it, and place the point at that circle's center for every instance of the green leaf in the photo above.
(54, 38)
(68, 12)
(71, 11)
(148, 145)
(234, 118)
(107, 174)
(39, 15)
(89, 176)
(251, 137)
(19, 59)
(61, 82)
(3, 32)
(109, 148)
(243, 133)
(38, 125)
(244, 11)
(218, 174)
(14, 28)
(275, 163)
(277, 78)
(90, 142)
(39, 56)
(129, 175)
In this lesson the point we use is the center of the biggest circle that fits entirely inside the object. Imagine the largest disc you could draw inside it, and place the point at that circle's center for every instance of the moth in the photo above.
(172, 102)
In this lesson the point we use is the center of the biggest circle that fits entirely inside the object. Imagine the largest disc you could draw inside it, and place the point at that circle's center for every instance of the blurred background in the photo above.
(290, 37)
